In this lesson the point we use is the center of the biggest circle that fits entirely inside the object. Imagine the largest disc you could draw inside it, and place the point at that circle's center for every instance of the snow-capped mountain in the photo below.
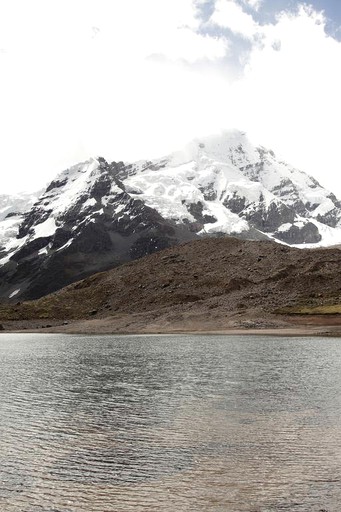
(83, 223)
(96, 214)
(226, 185)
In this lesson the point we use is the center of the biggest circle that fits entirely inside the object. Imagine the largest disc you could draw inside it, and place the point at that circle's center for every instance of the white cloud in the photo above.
(130, 79)
(254, 4)
(86, 77)
(229, 14)
(288, 97)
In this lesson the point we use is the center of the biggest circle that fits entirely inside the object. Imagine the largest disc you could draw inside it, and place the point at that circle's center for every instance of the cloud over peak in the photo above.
(131, 79)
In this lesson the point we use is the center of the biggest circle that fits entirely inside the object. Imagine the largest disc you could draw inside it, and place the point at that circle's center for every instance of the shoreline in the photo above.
(321, 331)
(189, 322)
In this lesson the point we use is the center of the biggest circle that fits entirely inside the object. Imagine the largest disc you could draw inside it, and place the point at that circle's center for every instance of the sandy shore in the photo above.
(147, 324)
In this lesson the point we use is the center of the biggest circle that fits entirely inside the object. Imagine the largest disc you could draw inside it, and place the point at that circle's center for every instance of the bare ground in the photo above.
(213, 285)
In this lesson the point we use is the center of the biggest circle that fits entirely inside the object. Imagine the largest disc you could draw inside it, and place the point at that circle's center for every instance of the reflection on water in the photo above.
(169, 423)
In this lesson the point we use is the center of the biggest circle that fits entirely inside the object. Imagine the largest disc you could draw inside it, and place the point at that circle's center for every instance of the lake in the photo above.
(169, 423)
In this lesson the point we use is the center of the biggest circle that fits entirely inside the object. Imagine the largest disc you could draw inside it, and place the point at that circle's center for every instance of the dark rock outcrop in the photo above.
(306, 234)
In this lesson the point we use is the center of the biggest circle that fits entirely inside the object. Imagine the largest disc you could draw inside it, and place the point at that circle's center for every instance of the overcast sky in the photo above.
(134, 79)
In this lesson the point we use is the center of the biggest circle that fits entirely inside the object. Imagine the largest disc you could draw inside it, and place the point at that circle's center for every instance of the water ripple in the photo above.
(120, 424)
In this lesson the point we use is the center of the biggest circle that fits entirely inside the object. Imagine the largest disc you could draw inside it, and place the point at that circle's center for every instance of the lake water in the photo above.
(169, 423)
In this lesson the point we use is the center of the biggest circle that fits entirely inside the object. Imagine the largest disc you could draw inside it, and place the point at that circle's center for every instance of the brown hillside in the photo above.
(211, 279)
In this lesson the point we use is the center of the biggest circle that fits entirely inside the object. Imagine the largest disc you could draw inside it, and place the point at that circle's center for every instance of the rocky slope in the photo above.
(84, 222)
(216, 283)
(97, 215)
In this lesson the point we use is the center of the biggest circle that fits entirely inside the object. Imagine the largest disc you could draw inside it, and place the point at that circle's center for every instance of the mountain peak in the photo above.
(96, 214)
(216, 147)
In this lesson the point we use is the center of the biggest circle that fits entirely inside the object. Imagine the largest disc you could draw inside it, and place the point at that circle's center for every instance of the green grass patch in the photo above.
(333, 309)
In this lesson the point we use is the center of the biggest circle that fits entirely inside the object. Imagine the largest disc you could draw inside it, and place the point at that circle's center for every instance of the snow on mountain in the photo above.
(12, 208)
(16, 203)
(235, 186)
(96, 214)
